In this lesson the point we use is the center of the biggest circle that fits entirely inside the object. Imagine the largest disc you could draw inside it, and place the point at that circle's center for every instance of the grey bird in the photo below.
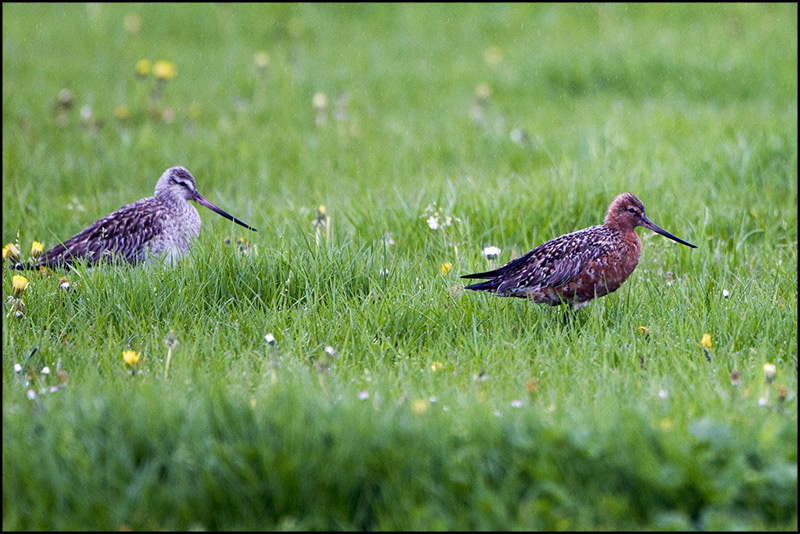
(162, 228)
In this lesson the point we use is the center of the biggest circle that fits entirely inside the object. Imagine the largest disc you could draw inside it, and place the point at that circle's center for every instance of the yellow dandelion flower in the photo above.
(131, 357)
(706, 342)
(164, 70)
(121, 112)
(446, 268)
(321, 210)
(419, 406)
(435, 366)
(19, 284)
(666, 424)
(36, 249)
(143, 67)
(11, 252)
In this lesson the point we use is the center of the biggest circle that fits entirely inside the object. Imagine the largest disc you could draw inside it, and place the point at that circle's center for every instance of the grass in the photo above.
(438, 409)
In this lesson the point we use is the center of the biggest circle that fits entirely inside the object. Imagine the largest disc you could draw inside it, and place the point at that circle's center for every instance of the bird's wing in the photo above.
(125, 232)
(551, 264)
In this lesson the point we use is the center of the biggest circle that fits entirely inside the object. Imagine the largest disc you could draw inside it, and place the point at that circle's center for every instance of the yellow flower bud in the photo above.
(143, 67)
(131, 358)
(19, 284)
(706, 342)
(121, 112)
(261, 59)
(319, 101)
(36, 249)
(11, 252)
(419, 406)
(446, 268)
(164, 70)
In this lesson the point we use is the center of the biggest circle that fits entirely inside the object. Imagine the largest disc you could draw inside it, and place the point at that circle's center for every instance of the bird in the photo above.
(162, 228)
(578, 267)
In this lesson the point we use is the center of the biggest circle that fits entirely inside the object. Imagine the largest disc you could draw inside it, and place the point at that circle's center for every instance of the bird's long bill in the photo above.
(647, 223)
(200, 199)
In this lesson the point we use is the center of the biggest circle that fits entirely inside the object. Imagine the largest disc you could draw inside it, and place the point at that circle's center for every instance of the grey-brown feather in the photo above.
(551, 264)
(125, 233)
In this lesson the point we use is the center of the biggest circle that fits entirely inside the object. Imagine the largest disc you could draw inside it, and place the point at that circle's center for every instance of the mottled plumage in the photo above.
(575, 268)
(161, 227)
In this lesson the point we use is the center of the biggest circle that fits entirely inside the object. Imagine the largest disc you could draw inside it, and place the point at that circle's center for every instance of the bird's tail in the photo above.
(488, 285)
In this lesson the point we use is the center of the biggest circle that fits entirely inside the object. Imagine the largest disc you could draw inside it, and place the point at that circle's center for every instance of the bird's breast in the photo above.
(605, 273)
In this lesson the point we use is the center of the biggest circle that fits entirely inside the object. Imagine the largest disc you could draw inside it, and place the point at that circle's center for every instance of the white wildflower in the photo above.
(491, 252)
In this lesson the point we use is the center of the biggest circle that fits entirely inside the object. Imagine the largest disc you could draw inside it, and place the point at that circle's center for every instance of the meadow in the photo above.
(329, 371)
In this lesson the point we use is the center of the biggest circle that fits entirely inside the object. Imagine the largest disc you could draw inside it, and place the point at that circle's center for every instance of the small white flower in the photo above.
(662, 393)
(433, 399)
(31, 394)
(45, 370)
(491, 252)
(516, 403)
(86, 112)
(725, 293)
(270, 338)
(363, 395)
(762, 401)
(433, 223)
(769, 372)
(518, 136)
(53, 389)
(17, 368)
(446, 408)
(330, 350)
(497, 413)
(64, 286)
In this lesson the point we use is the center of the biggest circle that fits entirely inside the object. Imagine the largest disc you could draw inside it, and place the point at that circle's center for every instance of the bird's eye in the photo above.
(633, 210)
